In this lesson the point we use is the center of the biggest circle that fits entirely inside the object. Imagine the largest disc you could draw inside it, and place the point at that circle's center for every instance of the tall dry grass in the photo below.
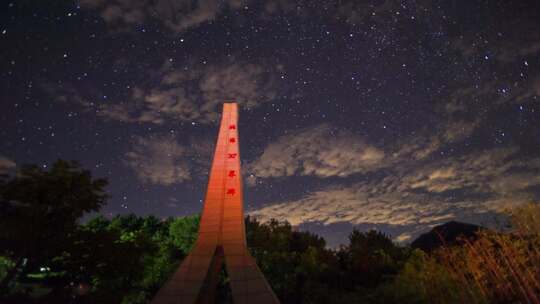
(498, 267)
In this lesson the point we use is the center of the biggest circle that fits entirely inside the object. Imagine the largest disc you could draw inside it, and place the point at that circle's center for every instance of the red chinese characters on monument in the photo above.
(221, 239)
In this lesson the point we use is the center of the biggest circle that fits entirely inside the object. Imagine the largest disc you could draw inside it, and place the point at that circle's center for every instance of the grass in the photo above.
(499, 267)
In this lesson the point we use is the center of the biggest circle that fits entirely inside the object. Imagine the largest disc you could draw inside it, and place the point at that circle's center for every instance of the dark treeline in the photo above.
(48, 256)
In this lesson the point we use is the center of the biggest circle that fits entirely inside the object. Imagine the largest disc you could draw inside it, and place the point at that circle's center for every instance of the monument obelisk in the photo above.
(222, 237)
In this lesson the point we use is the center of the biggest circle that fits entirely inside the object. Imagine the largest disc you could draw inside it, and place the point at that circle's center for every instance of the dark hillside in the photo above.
(445, 234)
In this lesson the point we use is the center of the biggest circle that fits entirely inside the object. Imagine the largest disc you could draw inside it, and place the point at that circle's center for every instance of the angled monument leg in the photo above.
(208, 290)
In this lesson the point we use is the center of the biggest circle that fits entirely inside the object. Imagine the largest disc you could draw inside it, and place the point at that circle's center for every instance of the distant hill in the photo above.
(445, 234)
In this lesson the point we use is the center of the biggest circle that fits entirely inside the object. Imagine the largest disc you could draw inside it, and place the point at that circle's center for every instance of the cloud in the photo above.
(182, 15)
(187, 95)
(279, 6)
(416, 147)
(162, 160)
(506, 51)
(361, 205)
(196, 94)
(318, 151)
(173, 202)
(458, 130)
(421, 195)
(176, 15)
(6, 164)
(248, 84)
(536, 86)
(323, 151)
(428, 141)
(467, 100)
(159, 160)
(514, 52)
(497, 172)
(357, 12)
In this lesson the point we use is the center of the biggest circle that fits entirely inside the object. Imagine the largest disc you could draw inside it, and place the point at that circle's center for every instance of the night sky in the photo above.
(393, 115)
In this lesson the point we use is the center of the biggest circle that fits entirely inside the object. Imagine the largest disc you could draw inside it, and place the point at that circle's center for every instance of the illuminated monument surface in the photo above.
(222, 236)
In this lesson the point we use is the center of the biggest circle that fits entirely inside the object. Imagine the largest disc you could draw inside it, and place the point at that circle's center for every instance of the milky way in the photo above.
(394, 115)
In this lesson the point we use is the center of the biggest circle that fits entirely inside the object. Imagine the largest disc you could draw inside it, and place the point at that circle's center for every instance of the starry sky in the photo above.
(393, 115)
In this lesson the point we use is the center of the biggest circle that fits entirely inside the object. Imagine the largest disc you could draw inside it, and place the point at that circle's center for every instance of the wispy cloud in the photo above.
(195, 94)
(188, 94)
(496, 173)
(421, 195)
(319, 151)
(363, 204)
(177, 15)
(181, 15)
(470, 100)
(506, 50)
(159, 160)
(6, 164)
(324, 151)
(163, 160)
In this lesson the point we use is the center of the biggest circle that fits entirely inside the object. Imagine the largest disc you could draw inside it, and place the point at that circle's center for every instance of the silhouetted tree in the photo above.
(369, 258)
(39, 210)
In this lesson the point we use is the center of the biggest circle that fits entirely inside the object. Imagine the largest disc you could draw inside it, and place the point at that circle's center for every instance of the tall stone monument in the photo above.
(222, 236)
